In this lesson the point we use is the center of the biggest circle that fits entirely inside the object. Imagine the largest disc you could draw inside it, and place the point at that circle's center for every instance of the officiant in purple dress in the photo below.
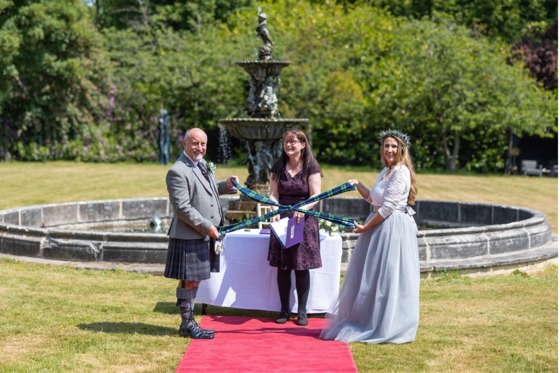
(295, 177)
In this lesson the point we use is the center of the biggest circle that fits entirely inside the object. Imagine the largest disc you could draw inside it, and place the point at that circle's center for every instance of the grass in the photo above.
(500, 324)
(60, 319)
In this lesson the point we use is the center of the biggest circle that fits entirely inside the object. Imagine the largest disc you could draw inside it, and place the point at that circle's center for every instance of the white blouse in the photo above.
(390, 192)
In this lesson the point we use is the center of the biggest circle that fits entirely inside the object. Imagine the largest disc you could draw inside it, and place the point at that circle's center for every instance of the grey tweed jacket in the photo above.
(195, 200)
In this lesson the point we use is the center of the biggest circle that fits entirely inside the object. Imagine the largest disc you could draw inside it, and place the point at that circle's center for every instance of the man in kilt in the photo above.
(197, 212)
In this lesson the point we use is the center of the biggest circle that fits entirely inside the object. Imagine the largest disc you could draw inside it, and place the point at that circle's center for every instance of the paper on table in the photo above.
(288, 231)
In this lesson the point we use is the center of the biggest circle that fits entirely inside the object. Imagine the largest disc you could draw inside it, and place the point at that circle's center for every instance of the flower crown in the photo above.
(395, 133)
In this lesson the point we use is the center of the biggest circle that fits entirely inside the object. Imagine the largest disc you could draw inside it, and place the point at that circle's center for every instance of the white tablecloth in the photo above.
(247, 281)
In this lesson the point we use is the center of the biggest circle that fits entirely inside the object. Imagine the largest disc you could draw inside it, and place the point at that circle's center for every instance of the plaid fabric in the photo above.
(347, 222)
(187, 260)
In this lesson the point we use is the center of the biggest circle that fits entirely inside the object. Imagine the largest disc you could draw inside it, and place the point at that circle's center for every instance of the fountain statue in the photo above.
(262, 130)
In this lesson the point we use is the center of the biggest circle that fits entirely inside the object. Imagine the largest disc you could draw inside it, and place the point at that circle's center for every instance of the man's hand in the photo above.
(213, 232)
(229, 184)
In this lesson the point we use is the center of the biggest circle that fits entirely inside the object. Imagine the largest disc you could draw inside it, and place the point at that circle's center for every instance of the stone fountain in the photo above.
(475, 238)
(263, 129)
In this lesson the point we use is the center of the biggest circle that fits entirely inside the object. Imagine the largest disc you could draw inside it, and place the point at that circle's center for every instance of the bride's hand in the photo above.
(358, 228)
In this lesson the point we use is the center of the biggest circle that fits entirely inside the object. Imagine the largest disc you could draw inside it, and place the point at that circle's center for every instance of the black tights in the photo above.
(303, 283)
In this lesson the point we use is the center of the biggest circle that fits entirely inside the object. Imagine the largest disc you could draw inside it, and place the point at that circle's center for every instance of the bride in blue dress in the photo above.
(379, 298)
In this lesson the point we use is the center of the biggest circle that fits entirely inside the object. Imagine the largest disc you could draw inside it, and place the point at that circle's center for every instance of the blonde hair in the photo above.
(402, 157)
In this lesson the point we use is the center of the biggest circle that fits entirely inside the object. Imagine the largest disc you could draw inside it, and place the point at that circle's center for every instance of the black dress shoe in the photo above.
(191, 329)
(209, 331)
(282, 318)
(195, 325)
(302, 319)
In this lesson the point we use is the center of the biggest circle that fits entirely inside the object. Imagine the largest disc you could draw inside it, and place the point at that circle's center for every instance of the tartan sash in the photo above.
(347, 222)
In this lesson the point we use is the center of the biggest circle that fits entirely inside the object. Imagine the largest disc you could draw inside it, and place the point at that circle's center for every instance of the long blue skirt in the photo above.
(379, 298)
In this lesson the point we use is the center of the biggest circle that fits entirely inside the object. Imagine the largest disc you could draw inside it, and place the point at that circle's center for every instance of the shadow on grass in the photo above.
(127, 328)
(225, 311)
(168, 308)
(203, 309)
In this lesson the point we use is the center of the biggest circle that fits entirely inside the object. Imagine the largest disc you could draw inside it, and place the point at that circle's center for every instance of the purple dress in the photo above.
(307, 254)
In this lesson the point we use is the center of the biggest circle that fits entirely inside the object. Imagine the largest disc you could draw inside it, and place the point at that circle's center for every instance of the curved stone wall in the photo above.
(473, 237)
(478, 237)
(42, 231)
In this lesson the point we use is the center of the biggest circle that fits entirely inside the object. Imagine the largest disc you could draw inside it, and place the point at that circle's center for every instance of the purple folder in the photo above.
(288, 231)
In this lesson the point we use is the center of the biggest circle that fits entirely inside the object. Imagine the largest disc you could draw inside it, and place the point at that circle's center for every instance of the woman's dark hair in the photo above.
(306, 154)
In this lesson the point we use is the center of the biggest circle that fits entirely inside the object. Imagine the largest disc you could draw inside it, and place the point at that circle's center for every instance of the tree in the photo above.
(539, 51)
(505, 19)
(448, 88)
(194, 78)
(52, 74)
(192, 16)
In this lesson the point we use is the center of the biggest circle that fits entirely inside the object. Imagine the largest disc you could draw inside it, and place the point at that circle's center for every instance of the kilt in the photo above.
(188, 260)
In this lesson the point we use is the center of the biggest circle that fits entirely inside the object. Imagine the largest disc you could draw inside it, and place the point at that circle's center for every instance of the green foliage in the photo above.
(193, 16)
(506, 19)
(191, 78)
(53, 77)
(355, 69)
(446, 89)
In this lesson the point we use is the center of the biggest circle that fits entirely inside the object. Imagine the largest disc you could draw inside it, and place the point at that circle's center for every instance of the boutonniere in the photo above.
(211, 167)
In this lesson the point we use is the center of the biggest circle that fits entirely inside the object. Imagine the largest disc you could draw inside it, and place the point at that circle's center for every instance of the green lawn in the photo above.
(60, 319)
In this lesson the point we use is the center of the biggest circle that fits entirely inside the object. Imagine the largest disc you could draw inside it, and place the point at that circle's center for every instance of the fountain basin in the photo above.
(474, 238)
(259, 70)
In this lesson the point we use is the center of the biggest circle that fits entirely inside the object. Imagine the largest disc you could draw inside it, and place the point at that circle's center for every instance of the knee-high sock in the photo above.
(185, 302)
(284, 280)
(303, 283)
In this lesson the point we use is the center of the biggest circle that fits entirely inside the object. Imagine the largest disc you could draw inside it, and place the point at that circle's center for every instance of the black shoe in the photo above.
(282, 318)
(302, 319)
(191, 329)
(209, 331)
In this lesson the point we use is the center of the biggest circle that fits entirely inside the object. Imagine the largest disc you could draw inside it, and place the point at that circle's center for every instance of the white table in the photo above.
(247, 281)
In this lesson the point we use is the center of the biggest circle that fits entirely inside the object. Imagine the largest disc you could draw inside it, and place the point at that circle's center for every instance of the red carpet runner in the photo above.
(244, 344)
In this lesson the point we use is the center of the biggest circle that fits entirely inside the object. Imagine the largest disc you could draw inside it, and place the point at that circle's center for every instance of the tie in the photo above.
(204, 171)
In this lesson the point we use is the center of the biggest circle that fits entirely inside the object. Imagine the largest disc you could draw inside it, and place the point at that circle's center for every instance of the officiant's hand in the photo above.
(300, 215)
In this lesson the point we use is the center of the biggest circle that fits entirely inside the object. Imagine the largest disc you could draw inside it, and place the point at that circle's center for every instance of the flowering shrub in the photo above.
(329, 227)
